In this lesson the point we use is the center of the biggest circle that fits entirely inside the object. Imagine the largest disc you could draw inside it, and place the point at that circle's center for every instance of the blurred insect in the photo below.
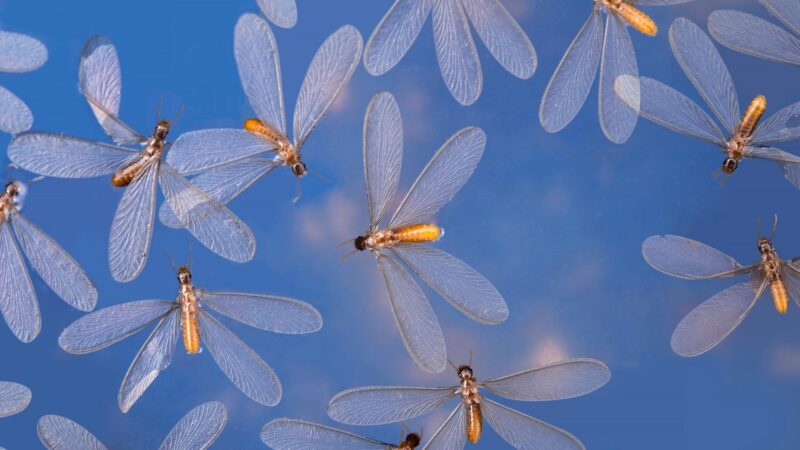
(62, 274)
(712, 321)
(282, 13)
(234, 159)
(14, 398)
(455, 49)
(295, 434)
(748, 135)
(613, 51)
(197, 430)
(561, 380)
(18, 53)
(754, 36)
(246, 370)
(57, 155)
(402, 236)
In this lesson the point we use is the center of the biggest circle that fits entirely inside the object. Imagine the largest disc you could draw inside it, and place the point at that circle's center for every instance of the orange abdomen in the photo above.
(474, 421)
(752, 115)
(191, 330)
(124, 175)
(264, 130)
(640, 21)
(779, 295)
(418, 233)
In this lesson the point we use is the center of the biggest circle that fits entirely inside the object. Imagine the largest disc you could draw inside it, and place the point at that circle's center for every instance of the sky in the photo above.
(555, 221)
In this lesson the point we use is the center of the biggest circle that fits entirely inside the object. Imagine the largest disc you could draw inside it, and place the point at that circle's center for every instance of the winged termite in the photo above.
(561, 380)
(18, 53)
(399, 240)
(197, 430)
(613, 51)
(748, 136)
(246, 370)
(140, 171)
(14, 398)
(295, 434)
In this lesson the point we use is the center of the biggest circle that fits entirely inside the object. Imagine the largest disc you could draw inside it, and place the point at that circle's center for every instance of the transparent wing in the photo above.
(789, 162)
(782, 126)
(395, 34)
(569, 87)
(132, 228)
(60, 156)
(556, 381)
(246, 370)
(294, 434)
(379, 405)
(451, 434)
(99, 329)
(198, 151)
(440, 180)
(282, 13)
(459, 284)
(15, 116)
(20, 52)
(414, 316)
(786, 11)
(265, 312)
(154, 356)
(689, 259)
(210, 222)
(60, 433)
(659, 2)
(329, 71)
(260, 69)
(17, 298)
(711, 322)
(667, 107)
(383, 154)
(523, 431)
(503, 36)
(56, 267)
(198, 429)
(702, 63)
(754, 36)
(791, 277)
(617, 118)
(14, 398)
(456, 52)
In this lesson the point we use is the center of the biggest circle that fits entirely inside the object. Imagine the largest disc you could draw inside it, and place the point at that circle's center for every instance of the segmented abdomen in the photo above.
(418, 233)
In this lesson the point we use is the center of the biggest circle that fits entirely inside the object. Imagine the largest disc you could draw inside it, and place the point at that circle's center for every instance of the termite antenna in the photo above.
(774, 227)
(8, 170)
(177, 115)
(35, 180)
(189, 266)
(342, 244)
(298, 191)
(452, 364)
(469, 360)
(758, 227)
(347, 255)
(158, 108)
(320, 176)
(172, 262)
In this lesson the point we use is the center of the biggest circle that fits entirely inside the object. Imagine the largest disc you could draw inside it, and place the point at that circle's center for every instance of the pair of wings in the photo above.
(440, 180)
(562, 380)
(296, 434)
(57, 155)
(14, 398)
(246, 370)
(18, 53)
(197, 430)
(754, 36)
(569, 87)
(233, 159)
(702, 63)
(455, 49)
(713, 320)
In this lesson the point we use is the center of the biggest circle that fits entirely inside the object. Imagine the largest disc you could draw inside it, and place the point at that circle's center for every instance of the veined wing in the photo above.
(568, 89)
(246, 370)
(383, 154)
(260, 69)
(754, 36)
(154, 356)
(772, 154)
(331, 68)
(17, 297)
(791, 277)
(282, 13)
(503, 36)
(265, 312)
(395, 34)
(294, 434)
(56, 267)
(198, 429)
(414, 316)
(702, 63)
(132, 228)
(15, 116)
(459, 284)
(20, 52)
(689, 259)
(556, 381)
(617, 118)
(456, 52)
(450, 435)
(379, 405)
(659, 2)
(667, 107)
(101, 328)
(440, 180)
(14, 398)
(523, 431)
(711, 322)
(786, 11)
(60, 433)
(198, 151)
(784, 125)
(61, 156)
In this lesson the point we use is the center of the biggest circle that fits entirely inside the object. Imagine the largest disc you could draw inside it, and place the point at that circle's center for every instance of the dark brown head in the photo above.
(360, 243)
(465, 372)
(299, 169)
(12, 188)
(162, 130)
(765, 246)
(411, 442)
(184, 275)
(729, 165)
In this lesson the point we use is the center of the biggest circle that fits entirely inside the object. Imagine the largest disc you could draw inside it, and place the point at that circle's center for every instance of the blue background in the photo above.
(554, 220)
